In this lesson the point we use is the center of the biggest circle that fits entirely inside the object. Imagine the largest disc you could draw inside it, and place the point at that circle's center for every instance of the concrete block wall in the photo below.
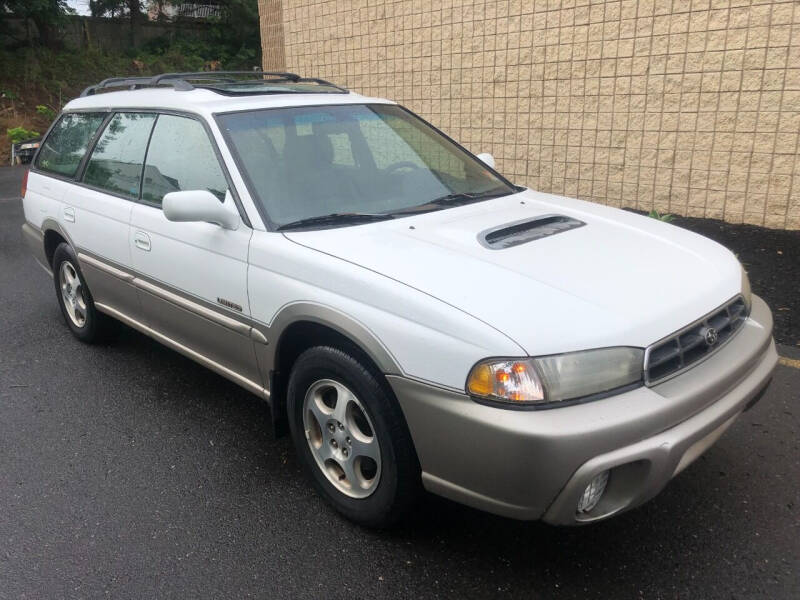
(686, 106)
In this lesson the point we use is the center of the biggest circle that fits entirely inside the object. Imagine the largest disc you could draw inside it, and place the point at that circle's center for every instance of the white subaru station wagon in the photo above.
(413, 318)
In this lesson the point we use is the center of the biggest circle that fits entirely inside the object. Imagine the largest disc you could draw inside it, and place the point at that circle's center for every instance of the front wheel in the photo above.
(351, 437)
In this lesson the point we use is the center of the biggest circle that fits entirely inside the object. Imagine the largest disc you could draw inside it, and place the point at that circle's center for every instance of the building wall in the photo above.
(272, 39)
(685, 106)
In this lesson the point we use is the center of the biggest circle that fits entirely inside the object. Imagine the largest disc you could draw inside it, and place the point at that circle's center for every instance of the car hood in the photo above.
(621, 279)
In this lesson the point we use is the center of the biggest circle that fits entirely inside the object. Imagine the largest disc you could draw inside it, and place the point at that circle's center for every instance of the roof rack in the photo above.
(182, 81)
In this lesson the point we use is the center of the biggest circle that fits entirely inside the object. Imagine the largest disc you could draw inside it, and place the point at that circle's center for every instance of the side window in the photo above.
(64, 148)
(181, 158)
(116, 161)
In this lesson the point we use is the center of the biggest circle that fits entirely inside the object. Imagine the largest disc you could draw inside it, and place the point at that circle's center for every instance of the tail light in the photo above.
(24, 183)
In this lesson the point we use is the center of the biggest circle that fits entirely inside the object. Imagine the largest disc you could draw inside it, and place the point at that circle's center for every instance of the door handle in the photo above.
(142, 241)
(69, 214)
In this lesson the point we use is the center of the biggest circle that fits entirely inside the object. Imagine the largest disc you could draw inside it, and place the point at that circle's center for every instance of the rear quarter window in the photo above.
(65, 146)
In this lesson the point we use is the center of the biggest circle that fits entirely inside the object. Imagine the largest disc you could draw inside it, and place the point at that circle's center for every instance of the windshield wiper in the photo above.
(450, 200)
(336, 219)
(465, 197)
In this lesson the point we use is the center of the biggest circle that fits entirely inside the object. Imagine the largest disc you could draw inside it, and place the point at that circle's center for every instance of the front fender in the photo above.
(404, 330)
(336, 320)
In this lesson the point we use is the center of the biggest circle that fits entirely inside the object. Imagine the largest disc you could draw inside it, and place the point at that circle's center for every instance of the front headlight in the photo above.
(747, 294)
(556, 378)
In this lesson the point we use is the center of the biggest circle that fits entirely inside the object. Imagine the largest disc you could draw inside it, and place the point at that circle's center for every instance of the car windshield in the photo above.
(340, 161)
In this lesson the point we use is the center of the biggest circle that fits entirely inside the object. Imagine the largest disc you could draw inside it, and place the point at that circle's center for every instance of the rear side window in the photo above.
(64, 148)
(116, 161)
(181, 158)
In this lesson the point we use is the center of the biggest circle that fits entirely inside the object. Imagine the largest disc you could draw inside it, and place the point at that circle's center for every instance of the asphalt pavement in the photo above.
(127, 471)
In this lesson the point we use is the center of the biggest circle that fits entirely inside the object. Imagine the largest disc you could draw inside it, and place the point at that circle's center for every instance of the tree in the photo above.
(114, 8)
(236, 33)
(238, 27)
(241, 16)
(47, 15)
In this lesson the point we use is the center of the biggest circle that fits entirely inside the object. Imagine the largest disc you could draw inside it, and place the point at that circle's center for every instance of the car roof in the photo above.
(208, 102)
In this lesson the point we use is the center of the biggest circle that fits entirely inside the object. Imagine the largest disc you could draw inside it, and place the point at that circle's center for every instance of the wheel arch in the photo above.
(53, 235)
(301, 326)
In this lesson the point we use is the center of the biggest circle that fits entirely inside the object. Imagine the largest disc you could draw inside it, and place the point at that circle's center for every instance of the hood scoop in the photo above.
(521, 232)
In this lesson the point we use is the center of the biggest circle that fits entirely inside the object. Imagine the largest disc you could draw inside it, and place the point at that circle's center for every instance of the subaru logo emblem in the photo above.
(711, 336)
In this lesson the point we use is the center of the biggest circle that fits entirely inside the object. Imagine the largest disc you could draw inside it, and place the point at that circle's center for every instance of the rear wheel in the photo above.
(75, 299)
(351, 437)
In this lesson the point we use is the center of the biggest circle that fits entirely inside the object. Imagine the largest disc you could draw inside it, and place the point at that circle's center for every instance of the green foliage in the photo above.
(20, 134)
(51, 10)
(240, 22)
(40, 76)
(194, 52)
(52, 78)
(114, 8)
(666, 217)
(48, 15)
(45, 111)
(234, 38)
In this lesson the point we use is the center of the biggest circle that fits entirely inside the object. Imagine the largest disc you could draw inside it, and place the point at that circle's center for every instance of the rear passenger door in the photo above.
(97, 210)
(192, 277)
(59, 160)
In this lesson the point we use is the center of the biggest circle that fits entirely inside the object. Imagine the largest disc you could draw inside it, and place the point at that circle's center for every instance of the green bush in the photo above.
(51, 78)
(666, 218)
(47, 112)
(20, 134)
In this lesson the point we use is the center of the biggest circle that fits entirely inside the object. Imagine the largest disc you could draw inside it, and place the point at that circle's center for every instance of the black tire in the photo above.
(399, 485)
(97, 326)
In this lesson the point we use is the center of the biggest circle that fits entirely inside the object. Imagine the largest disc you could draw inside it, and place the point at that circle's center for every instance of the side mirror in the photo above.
(487, 158)
(199, 206)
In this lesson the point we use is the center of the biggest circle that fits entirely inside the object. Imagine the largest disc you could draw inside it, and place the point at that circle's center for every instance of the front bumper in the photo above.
(535, 464)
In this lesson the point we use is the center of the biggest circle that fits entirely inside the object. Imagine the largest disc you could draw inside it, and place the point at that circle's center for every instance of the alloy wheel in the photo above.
(342, 438)
(72, 293)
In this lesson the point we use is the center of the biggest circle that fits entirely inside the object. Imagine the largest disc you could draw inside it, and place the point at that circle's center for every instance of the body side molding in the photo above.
(105, 267)
(220, 319)
(237, 323)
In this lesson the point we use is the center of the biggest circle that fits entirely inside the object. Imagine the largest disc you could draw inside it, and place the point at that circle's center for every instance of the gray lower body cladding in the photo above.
(535, 464)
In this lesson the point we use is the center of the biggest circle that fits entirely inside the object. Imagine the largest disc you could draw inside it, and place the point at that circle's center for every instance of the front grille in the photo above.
(693, 343)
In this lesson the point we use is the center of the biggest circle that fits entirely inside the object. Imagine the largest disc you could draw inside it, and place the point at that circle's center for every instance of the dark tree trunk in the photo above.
(48, 34)
(134, 7)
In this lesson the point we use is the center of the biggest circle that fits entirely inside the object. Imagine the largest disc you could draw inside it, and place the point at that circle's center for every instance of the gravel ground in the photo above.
(127, 471)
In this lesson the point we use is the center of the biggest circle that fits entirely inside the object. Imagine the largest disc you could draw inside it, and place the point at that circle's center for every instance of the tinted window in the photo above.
(116, 161)
(181, 158)
(305, 162)
(64, 148)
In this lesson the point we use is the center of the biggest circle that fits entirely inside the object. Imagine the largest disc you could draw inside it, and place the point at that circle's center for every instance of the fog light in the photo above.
(593, 492)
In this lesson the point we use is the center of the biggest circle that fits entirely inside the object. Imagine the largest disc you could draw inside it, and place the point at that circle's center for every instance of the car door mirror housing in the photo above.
(199, 206)
(487, 159)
